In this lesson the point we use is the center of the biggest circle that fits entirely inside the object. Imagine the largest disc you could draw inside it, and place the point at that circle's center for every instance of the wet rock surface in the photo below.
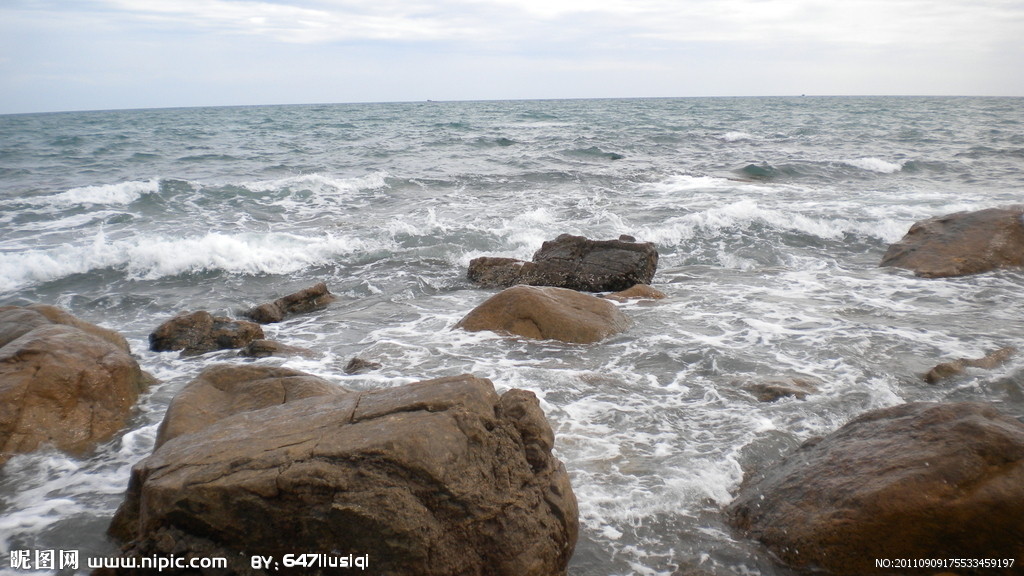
(316, 297)
(948, 370)
(64, 382)
(962, 243)
(547, 313)
(437, 477)
(913, 481)
(201, 332)
(573, 262)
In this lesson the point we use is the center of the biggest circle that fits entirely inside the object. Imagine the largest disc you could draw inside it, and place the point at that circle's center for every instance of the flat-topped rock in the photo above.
(962, 243)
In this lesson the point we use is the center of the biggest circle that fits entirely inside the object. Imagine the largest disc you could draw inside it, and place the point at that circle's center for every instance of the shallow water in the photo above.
(770, 216)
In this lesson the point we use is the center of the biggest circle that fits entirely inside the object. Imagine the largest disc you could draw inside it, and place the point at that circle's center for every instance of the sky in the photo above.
(60, 55)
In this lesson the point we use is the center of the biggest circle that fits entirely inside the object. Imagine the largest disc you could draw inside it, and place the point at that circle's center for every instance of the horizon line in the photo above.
(491, 100)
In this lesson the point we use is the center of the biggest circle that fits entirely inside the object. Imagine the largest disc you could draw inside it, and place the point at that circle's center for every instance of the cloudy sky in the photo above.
(101, 54)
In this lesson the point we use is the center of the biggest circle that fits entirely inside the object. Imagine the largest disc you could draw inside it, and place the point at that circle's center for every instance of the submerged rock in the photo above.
(201, 332)
(637, 292)
(63, 381)
(773, 389)
(434, 478)
(546, 313)
(961, 243)
(316, 297)
(267, 348)
(912, 481)
(357, 365)
(960, 365)
(573, 262)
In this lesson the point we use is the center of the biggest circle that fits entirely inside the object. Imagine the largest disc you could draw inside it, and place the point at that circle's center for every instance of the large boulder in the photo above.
(201, 332)
(961, 244)
(433, 478)
(226, 389)
(315, 297)
(914, 481)
(63, 381)
(573, 262)
(547, 313)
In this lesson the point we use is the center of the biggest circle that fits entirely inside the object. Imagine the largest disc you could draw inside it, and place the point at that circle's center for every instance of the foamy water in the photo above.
(770, 217)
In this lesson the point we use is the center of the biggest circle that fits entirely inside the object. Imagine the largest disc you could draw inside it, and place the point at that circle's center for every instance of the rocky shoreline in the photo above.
(447, 477)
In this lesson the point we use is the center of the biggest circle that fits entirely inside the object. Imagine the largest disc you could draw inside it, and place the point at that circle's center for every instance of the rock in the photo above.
(201, 332)
(911, 481)
(226, 389)
(313, 298)
(773, 389)
(266, 348)
(547, 313)
(357, 365)
(573, 262)
(63, 381)
(962, 243)
(960, 365)
(434, 478)
(638, 292)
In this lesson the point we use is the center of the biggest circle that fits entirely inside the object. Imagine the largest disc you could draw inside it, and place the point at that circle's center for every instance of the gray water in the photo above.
(770, 216)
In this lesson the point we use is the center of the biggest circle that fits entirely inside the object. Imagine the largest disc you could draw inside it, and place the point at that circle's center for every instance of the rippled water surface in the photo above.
(770, 216)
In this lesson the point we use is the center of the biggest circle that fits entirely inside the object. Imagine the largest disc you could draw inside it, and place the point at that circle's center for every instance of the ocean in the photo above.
(770, 216)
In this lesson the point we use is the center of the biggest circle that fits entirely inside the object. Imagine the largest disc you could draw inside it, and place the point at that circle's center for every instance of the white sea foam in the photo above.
(736, 136)
(112, 194)
(151, 257)
(738, 215)
(875, 165)
(321, 183)
(686, 183)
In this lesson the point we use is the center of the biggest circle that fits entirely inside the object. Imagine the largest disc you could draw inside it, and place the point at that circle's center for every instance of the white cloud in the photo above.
(313, 22)
(189, 52)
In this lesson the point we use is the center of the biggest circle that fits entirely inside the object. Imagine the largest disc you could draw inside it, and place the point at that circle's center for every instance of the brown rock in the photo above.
(638, 292)
(226, 389)
(773, 389)
(912, 481)
(63, 382)
(357, 365)
(315, 297)
(267, 348)
(434, 478)
(960, 365)
(573, 262)
(962, 243)
(201, 332)
(547, 313)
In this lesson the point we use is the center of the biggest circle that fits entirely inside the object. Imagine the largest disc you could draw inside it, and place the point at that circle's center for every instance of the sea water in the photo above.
(770, 216)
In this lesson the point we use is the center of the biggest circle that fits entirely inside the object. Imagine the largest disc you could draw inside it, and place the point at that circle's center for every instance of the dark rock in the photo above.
(63, 381)
(638, 292)
(315, 297)
(962, 243)
(573, 262)
(547, 313)
(267, 348)
(200, 332)
(913, 481)
(960, 365)
(357, 365)
(434, 478)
